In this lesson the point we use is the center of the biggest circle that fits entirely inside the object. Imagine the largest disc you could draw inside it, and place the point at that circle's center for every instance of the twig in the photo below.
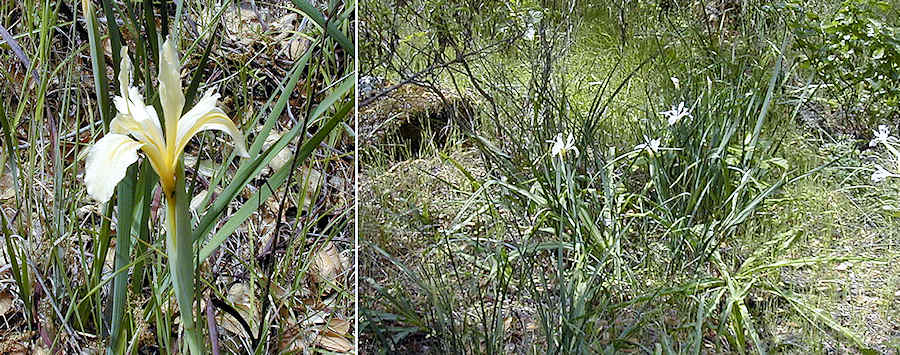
(8, 38)
(67, 136)
(429, 70)
(211, 323)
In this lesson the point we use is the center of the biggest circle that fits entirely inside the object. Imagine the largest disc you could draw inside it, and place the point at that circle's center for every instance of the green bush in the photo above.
(856, 53)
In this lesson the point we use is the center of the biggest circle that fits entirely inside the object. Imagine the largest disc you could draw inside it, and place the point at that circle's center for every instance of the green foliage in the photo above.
(401, 39)
(856, 51)
(649, 217)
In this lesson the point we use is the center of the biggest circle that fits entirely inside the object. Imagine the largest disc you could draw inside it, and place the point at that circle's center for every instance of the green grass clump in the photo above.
(656, 236)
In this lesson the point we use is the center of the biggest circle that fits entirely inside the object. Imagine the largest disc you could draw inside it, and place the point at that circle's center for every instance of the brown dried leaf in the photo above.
(334, 342)
(242, 25)
(7, 299)
(339, 326)
(240, 297)
(327, 264)
(197, 200)
(293, 340)
(39, 349)
(296, 47)
(7, 187)
(110, 260)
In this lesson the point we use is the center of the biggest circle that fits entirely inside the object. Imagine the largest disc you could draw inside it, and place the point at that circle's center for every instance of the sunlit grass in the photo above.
(693, 248)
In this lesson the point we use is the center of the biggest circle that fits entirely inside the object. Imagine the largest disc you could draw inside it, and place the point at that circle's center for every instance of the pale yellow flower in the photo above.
(137, 126)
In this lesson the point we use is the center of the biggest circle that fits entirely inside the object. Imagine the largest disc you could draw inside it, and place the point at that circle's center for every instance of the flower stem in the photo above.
(179, 247)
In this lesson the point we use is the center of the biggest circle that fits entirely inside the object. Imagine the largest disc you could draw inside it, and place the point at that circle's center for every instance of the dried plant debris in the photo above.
(402, 116)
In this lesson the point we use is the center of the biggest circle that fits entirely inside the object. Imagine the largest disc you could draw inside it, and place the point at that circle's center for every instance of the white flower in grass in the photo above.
(650, 144)
(677, 113)
(137, 126)
(882, 135)
(529, 34)
(881, 173)
(561, 147)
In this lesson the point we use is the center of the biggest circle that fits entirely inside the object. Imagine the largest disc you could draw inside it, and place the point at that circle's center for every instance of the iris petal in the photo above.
(107, 161)
(206, 116)
(125, 69)
(141, 122)
(170, 95)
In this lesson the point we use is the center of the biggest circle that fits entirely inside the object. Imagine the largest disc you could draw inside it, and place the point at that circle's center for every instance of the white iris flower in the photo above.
(882, 135)
(651, 144)
(561, 147)
(677, 113)
(881, 173)
(137, 126)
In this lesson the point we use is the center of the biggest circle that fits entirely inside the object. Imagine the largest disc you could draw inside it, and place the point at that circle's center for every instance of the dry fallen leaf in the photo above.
(295, 340)
(284, 155)
(314, 319)
(241, 299)
(206, 167)
(327, 264)
(339, 326)
(507, 323)
(242, 25)
(334, 342)
(296, 47)
(6, 301)
(40, 350)
(7, 187)
(110, 260)
(197, 200)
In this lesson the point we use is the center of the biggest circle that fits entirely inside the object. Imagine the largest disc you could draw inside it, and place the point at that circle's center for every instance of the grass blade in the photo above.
(247, 170)
(125, 192)
(272, 184)
(331, 28)
(98, 63)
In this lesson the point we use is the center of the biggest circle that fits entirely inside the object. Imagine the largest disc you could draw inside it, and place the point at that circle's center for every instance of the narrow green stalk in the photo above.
(179, 246)
(123, 258)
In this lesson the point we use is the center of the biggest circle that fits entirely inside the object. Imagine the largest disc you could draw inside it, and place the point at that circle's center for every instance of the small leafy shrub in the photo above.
(856, 53)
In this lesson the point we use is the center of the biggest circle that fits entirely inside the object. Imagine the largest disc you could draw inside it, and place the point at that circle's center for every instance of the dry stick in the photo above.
(8, 38)
(210, 316)
(428, 70)
(81, 130)
(211, 323)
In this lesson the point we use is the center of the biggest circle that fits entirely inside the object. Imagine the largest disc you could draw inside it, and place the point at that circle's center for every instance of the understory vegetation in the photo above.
(264, 237)
(653, 176)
